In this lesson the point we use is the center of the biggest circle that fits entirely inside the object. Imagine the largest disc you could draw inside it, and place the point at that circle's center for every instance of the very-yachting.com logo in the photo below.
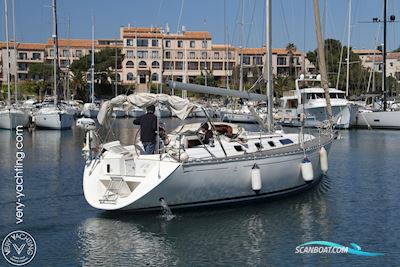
(326, 247)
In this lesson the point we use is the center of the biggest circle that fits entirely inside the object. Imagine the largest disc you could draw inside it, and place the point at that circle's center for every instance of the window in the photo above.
(142, 64)
(179, 55)
(130, 64)
(22, 66)
(203, 55)
(167, 43)
(51, 52)
(285, 141)
(129, 76)
(193, 66)
(204, 44)
(230, 56)
(216, 55)
(204, 66)
(129, 42)
(154, 77)
(192, 44)
(281, 61)
(154, 43)
(23, 55)
(167, 54)
(129, 54)
(64, 63)
(217, 66)
(180, 44)
(78, 53)
(167, 65)
(36, 56)
(192, 55)
(142, 42)
(155, 64)
(246, 60)
(154, 54)
(65, 53)
(179, 65)
(142, 54)
(391, 64)
(257, 60)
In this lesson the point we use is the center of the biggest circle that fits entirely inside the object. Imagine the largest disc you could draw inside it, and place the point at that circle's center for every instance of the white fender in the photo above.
(307, 170)
(256, 182)
(323, 157)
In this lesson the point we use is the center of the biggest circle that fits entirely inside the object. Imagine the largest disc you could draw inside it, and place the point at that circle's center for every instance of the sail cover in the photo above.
(178, 106)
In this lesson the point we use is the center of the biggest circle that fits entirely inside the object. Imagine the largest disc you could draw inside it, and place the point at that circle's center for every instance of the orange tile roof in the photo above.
(24, 46)
(141, 30)
(142, 35)
(366, 51)
(72, 43)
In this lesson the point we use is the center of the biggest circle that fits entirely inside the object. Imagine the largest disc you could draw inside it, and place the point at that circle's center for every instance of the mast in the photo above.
(8, 52)
(321, 59)
(226, 58)
(69, 59)
(116, 66)
(15, 55)
(55, 52)
(384, 57)
(92, 64)
(241, 47)
(268, 63)
(348, 50)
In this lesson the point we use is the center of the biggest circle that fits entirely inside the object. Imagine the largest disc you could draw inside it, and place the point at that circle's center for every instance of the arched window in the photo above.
(130, 64)
(142, 64)
(154, 77)
(129, 76)
(155, 64)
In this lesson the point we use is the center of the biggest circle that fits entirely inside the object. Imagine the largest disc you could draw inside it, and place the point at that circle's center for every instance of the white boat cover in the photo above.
(178, 106)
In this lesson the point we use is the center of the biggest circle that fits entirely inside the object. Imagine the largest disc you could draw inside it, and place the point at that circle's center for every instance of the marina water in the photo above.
(357, 202)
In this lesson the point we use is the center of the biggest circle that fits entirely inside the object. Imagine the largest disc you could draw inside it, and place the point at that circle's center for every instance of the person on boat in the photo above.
(205, 130)
(148, 129)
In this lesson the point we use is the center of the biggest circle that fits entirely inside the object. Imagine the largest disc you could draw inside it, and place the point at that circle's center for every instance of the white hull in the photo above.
(146, 179)
(10, 119)
(136, 112)
(379, 119)
(163, 113)
(55, 119)
(343, 116)
(119, 113)
(90, 110)
(237, 117)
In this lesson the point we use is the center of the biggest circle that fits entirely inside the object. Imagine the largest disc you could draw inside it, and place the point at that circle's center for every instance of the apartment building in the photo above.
(20, 58)
(373, 59)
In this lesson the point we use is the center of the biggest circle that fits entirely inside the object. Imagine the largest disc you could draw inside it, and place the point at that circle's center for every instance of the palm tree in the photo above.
(291, 48)
(282, 84)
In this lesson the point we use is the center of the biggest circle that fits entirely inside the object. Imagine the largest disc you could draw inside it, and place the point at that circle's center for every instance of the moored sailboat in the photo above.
(233, 166)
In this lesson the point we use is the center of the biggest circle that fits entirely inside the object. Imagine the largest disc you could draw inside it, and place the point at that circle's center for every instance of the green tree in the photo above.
(291, 48)
(104, 69)
(282, 84)
(358, 74)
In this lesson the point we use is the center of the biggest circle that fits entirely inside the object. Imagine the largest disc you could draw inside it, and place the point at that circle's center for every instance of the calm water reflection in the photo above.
(358, 202)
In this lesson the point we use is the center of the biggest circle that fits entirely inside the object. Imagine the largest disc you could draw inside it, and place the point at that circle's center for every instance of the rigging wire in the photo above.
(285, 22)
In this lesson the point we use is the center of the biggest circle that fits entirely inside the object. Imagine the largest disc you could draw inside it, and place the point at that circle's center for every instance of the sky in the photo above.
(292, 20)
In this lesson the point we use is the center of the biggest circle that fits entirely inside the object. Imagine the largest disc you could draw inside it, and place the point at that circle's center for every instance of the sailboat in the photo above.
(54, 116)
(90, 110)
(234, 166)
(11, 116)
(382, 118)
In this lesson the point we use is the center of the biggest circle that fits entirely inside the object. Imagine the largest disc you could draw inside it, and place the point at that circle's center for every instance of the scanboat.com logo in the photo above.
(326, 247)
